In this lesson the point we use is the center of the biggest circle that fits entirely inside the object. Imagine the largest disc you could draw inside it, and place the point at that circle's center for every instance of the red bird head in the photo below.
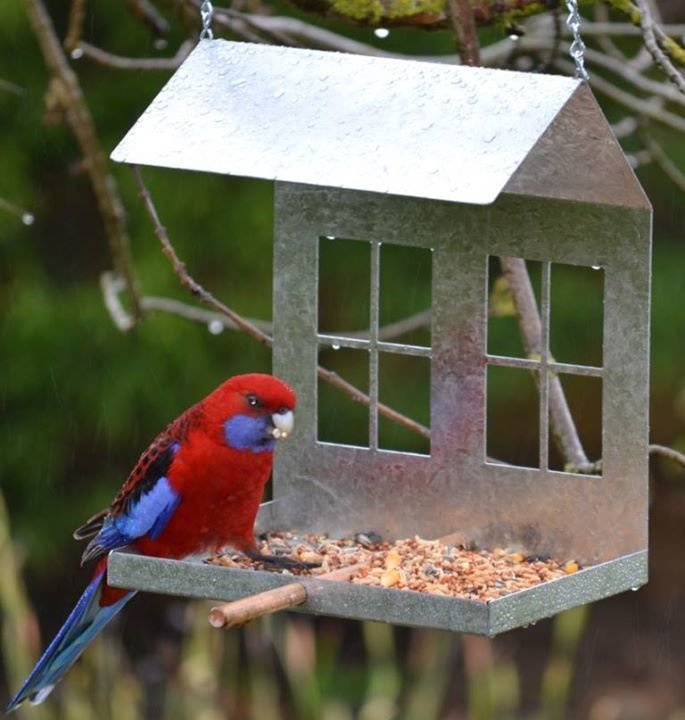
(251, 411)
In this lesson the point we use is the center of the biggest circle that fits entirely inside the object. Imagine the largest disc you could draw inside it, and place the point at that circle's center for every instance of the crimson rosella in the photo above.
(196, 489)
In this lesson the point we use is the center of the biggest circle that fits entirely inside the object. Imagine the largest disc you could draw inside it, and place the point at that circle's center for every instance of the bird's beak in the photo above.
(283, 423)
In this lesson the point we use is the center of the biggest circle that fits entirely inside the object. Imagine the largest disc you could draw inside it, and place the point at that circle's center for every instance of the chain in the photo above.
(206, 12)
(577, 49)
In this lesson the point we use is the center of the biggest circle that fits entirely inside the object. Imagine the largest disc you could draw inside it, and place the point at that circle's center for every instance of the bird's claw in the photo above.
(282, 562)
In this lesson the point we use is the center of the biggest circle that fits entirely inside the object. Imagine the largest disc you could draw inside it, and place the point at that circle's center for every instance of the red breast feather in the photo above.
(221, 487)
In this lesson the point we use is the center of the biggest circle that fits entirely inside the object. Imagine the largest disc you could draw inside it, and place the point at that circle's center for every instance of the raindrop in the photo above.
(160, 44)
(336, 346)
(77, 53)
(596, 267)
(381, 33)
(635, 589)
(215, 327)
(330, 237)
(27, 218)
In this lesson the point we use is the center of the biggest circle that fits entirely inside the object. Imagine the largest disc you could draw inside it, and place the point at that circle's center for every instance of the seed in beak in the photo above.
(283, 424)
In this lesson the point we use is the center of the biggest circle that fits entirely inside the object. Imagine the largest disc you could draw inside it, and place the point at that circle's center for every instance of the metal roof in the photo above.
(404, 127)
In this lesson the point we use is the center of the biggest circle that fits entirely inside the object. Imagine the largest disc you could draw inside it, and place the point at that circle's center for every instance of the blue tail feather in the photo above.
(84, 622)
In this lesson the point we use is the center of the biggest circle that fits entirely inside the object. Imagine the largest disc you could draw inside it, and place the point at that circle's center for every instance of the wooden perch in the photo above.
(238, 612)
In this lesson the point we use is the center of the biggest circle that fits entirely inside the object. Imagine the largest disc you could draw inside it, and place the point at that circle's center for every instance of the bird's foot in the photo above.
(281, 562)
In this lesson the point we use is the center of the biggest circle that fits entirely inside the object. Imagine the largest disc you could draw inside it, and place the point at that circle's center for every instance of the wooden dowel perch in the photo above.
(238, 612)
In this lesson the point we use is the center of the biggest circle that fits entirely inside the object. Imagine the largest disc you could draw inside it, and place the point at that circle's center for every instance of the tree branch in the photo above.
(659, 156)
(464, 26)
(81, 123)
(651, 43)
(77, 14)
(561, 421)
(124, 63)
(668, 452)
(247, 326)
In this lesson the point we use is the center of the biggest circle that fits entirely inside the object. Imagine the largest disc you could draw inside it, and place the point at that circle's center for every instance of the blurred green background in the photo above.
(79, 400)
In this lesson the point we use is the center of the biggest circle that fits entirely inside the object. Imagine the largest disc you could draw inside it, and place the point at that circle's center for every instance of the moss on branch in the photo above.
(433, 14)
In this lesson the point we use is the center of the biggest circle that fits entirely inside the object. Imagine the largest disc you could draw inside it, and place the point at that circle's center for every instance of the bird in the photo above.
(196, 489)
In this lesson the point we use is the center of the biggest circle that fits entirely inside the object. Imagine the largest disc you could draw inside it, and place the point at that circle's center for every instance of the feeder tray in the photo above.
(464, 163)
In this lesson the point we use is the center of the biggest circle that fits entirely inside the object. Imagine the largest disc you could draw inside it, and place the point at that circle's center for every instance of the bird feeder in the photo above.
(465, 163)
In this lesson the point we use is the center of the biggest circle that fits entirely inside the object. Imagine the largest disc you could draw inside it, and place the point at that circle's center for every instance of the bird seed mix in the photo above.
(429, 566)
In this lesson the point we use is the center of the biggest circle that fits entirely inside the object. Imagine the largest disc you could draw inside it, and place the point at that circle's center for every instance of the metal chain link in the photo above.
(206, 12)
(577, 49)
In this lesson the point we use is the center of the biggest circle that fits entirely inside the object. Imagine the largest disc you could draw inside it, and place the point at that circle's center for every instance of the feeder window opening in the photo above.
(536, 379)
(374, 330)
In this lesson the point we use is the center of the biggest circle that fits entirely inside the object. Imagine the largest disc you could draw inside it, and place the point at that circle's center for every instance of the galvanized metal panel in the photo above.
(393, 126)
(338, 489)
(344, 599)
(578, 158)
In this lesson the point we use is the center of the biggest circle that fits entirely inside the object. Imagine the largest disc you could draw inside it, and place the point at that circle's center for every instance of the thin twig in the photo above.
(530, 327)
(660, 57)
(297, 30)
(245, 325)
(77, 14)
(24, 215)
(668, 452)
(516, 272)
(81, 123)
(112, 286)
(635, 104)
(464, 25)
(674, 173)
(10, 87)
(125, 63)
(150, 16)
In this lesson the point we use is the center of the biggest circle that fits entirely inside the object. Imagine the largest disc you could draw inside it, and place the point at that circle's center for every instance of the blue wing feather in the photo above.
(144, 506)
(84, 622)
(148, 515)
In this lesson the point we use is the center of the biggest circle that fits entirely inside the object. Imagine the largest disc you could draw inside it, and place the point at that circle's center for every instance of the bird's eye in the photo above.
(253, 401)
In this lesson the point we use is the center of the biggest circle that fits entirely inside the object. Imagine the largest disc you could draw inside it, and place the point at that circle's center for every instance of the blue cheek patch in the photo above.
(248, 433)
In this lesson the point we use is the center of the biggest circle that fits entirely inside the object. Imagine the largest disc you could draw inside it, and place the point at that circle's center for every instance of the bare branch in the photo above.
(145, 11)
(111, 285)
(81, 123)
(660, 57)
(615, 29)
(247, 326)
(12, 88)
(125, 63)
(659, 156)
(464, 25)
(77, 14)
(561, 421)
(24, 215)
(631, 102)
(668, 452)
(616, 65)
